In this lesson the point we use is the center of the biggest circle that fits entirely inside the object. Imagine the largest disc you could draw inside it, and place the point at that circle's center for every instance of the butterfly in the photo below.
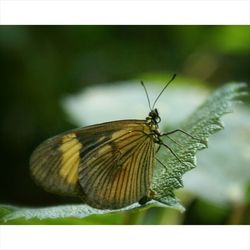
(108, 165)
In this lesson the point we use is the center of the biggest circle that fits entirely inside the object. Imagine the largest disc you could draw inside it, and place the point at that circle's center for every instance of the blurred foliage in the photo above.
(42, 64)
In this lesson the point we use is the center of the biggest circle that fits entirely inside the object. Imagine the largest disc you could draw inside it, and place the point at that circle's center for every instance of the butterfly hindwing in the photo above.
(119, 172)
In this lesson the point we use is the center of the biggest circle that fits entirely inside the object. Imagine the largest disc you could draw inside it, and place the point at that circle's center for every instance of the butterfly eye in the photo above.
(158, 119)
(155, 115)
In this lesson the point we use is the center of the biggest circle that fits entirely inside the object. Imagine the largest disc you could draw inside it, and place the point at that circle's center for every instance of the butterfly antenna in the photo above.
(146, 94)
(173, 77)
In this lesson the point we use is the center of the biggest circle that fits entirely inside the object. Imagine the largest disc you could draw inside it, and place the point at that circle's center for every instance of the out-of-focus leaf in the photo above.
(224, 168)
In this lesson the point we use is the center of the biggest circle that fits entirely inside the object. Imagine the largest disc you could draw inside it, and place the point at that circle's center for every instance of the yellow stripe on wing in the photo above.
(70, 149)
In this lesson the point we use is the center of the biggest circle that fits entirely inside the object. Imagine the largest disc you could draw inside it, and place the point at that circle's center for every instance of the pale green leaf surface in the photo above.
(224, 168)
(204, 122)
(73, 211)
(201, 124)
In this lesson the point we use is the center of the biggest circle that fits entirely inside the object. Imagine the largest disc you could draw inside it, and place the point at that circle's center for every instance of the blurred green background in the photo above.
(42, 64)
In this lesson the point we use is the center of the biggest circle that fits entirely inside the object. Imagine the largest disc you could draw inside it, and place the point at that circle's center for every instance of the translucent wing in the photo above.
(55, 163)
(118, 172)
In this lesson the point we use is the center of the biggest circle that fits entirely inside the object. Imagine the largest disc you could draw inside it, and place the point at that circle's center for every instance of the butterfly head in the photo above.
(154, 116)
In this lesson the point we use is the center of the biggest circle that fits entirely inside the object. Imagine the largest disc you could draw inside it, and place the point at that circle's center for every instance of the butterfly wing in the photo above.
(119, 171)
(54, 164)
(124, 146)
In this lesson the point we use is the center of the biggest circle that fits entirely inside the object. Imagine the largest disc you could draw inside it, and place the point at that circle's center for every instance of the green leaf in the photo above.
(201, 124)
(204, 122)
(10, 213)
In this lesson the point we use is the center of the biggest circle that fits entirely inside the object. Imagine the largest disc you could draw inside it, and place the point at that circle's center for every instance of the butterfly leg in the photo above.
(173, 140)
(173, 153)
(179, 130)
(157, 150)
(162, 163)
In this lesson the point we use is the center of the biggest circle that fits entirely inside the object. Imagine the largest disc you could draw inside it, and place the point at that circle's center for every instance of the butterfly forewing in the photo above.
(109, 164)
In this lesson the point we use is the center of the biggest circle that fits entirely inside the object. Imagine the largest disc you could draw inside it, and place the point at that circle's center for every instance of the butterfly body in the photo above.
(109, 165)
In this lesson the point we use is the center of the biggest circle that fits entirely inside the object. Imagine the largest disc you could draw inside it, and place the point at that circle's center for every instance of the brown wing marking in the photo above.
(100, 158)
(54, 164)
